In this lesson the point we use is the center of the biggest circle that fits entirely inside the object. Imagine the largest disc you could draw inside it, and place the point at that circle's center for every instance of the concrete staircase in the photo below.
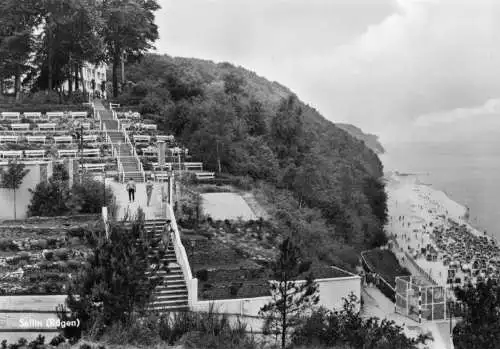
(125, 154)
(172, 294)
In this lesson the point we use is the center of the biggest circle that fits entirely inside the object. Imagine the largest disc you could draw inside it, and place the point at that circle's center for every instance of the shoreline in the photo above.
(423, 219)
(390, 175)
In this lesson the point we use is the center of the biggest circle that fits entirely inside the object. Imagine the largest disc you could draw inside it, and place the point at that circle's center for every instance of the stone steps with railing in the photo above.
(129, 164)
(172, 293)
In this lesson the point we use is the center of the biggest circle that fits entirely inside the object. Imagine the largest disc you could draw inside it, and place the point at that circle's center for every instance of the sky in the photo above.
(403, 69)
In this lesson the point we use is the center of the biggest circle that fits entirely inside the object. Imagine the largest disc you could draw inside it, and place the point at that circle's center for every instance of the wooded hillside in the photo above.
(261, 129)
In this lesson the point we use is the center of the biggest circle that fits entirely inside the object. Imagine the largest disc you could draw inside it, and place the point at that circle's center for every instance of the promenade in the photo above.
(125, 208)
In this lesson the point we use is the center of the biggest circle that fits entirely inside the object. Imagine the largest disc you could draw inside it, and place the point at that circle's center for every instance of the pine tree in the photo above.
(114, 285)
(291, 298)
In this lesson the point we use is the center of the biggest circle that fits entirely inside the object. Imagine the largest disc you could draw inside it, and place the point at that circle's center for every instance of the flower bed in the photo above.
(40, 256)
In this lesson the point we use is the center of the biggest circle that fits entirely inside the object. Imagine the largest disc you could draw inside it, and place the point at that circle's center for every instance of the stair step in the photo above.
(181, 297)
(179, 291)
(169, 303)
(171, 309)
(171, 287)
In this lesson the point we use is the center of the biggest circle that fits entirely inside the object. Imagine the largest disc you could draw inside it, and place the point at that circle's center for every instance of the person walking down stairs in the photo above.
(131, 190)
(149, 190)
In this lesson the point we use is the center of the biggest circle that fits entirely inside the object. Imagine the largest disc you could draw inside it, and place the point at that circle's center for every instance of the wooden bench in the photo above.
(114, 105)
(165, 138)
(94, 167)
(141, 138)
(205, 175)
(167, 165)
(36, 139)
(91, 152)
(40, 153)
(150, 151)
(63, 139)
(67, 153)
(126, 125)
(20, 127)
(9, 139)
(11, 153)
(8, 115)
(196, 166)
(149, 127)
(90, 138)
(32, 115)
(79, 114)
(55, 114)
(47, 126)
(161, 176)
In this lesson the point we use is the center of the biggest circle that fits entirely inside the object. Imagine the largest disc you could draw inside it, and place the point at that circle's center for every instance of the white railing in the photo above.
(115, 117)
(182, 259)
(105, 219)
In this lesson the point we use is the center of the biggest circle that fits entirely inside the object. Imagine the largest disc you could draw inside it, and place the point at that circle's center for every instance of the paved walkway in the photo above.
(378, 305)
(155, 211)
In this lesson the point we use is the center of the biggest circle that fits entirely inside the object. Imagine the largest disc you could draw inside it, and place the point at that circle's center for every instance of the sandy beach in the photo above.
(418, 214)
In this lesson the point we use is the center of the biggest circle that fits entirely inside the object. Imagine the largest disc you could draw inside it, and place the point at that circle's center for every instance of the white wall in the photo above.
(331, 292)
(23, 196)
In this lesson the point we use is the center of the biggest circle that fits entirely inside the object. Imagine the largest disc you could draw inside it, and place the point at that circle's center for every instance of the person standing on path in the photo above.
(149, 190)
(131, 190)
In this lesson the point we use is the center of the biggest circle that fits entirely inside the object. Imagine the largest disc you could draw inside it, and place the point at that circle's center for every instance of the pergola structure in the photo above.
(418, 300)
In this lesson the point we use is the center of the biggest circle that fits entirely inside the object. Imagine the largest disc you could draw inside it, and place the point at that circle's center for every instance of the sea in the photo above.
(467, 171)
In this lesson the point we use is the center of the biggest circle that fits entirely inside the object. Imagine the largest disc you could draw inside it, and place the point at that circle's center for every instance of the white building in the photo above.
(90, 72)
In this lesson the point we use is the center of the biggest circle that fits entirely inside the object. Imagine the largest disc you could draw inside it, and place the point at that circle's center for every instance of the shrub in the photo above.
(202, 275)
(62, 253)
(73, 264)
(39, 244)
(234, 288)
(6, 244)
(57, 340)
(49, 255)
(76, 232)
(24, 256)
(75, 241)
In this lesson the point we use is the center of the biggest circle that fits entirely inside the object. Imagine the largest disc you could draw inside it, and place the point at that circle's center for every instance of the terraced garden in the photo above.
(40, 257)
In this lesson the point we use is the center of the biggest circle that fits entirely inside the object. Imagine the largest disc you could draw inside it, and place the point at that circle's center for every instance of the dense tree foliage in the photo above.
(480, 327)
(261, 129)
(46, 42)
(55, 197)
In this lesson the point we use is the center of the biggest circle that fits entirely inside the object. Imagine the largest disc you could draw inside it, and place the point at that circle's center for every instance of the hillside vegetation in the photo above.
(329, 180)
(370, 140)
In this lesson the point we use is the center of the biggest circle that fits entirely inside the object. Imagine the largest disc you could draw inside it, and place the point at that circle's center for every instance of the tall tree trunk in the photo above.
(116, 61)
(84, 87)
(17, 83)
(15, 217)
(49, 84)
(77, 80)
(70, 77)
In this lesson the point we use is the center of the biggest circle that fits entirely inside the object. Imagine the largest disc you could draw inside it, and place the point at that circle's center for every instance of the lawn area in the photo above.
(385, 263)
